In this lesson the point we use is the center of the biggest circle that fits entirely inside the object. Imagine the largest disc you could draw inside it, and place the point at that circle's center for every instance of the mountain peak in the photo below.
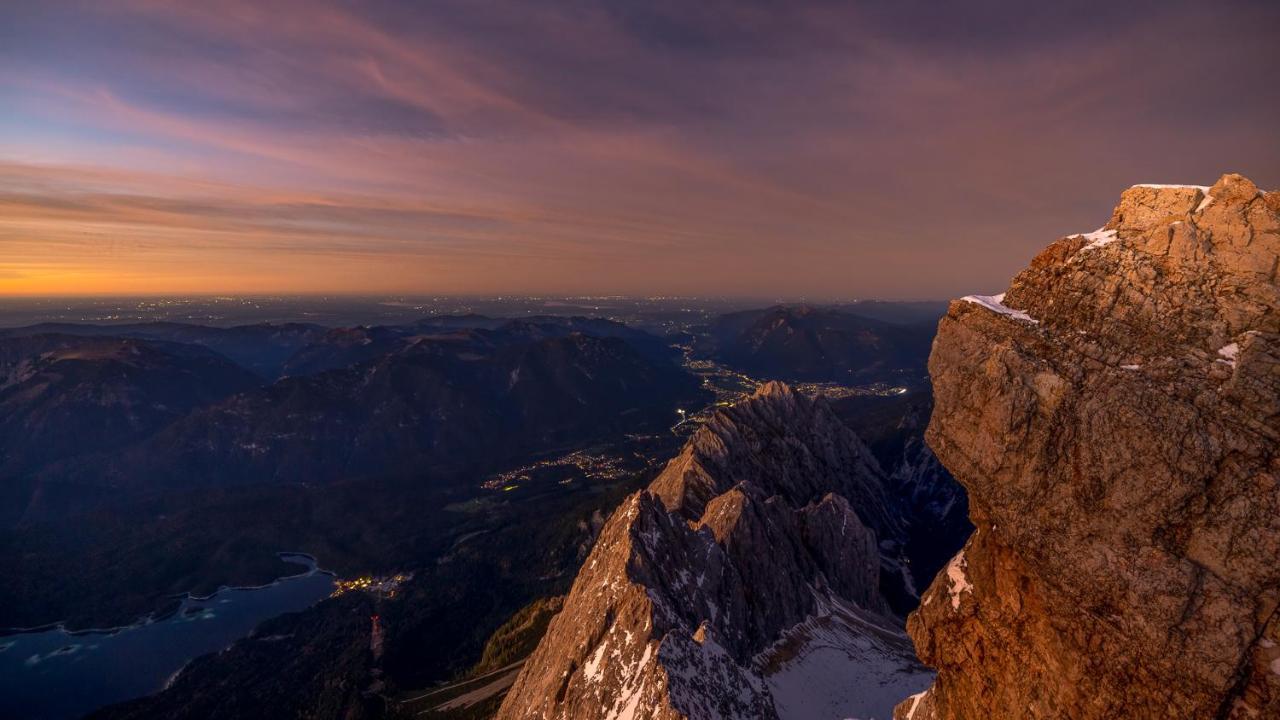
(1144, 207)
(782, 443)
(1177, 270)
(720, 590)
(774, 388)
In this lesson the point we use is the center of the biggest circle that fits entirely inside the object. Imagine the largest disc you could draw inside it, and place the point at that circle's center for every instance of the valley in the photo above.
(499, 537)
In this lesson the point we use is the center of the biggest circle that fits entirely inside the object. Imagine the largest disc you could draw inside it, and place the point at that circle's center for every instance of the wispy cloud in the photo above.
(813, 148)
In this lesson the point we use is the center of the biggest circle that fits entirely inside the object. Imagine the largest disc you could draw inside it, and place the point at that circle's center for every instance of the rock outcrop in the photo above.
(1113, 417)
(743, 583)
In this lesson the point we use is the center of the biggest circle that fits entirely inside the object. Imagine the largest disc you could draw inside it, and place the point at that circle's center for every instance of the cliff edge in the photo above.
(1113, 417)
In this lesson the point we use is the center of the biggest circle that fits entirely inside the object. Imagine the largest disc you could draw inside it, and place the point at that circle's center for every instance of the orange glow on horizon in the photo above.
(323, 147)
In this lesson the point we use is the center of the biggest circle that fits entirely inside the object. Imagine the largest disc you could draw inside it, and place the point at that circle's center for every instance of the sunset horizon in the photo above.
(639, 360)
(826, 150)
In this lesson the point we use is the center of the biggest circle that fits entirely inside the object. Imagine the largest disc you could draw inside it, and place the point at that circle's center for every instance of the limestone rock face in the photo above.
(1114, 418)
(747, 569)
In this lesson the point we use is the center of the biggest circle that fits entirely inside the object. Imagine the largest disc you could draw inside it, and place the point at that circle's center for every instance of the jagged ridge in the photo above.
(758, 543)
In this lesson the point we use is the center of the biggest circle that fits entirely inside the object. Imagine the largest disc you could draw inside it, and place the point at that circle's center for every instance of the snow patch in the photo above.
(1130, 367)
(957, 579)
(593, 670)
(842, 662)
(1227, 353)
(625, 707)
(1201, 188)
(1206, 202)
(995, 303)
(1098, 238)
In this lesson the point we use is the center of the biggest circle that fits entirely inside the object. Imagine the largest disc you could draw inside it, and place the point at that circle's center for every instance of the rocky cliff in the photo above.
(745, 582)
(1114, 419)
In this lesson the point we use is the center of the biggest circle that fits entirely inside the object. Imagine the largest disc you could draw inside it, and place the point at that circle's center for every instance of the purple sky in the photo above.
(823, 150)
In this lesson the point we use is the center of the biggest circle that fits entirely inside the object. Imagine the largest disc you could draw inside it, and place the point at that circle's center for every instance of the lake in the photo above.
(54, 674)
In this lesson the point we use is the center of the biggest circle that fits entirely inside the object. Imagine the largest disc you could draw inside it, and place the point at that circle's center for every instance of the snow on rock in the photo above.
(628, 699)
(1098, 238)
(1227, 353)
(957, 579)
(704, 681)
(995, 303)
(742, 583)
(592, 669)
(1201, 188)
(1206, 202)
(842, 662)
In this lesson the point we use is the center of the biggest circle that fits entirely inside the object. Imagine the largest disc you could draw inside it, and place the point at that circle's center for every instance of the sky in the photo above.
(821, 150)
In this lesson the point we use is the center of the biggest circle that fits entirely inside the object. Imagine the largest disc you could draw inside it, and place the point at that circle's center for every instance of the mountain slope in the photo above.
(63, 396)
(808, 343)
(344, 347)
(931, 503)
(1115, 418)
(748, 567)
(262, 348)
(437, 406)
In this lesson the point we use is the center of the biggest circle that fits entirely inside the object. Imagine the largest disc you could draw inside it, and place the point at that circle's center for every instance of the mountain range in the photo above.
(745, 581)
(807, 343)
(199, 455)
(366, 445)
(64, 397)
(101, 432)
(262, 348)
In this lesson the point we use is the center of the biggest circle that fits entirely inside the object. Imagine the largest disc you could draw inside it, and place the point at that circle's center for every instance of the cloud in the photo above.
(788, 148)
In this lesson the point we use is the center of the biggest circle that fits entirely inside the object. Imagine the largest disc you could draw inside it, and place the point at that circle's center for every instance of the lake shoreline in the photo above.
(299, 558)
(60, 674)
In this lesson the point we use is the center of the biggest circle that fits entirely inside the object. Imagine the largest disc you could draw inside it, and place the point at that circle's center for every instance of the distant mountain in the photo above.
(644, 342)
(344, 347)
(354, 464)
(895, 311)
(63, 396)
(262, 348)
(467, 321)
(441, 405)
(814, 344)
(745, 582)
